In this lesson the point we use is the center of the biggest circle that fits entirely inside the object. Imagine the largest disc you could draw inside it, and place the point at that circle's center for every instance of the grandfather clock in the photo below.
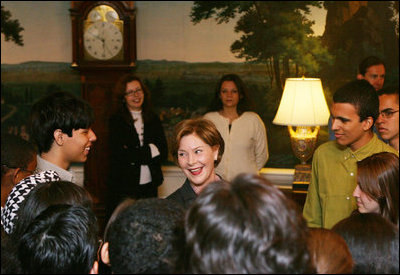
(103, 49)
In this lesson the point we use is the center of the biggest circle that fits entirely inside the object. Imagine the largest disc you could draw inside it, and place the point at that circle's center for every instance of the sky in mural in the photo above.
(164, 32)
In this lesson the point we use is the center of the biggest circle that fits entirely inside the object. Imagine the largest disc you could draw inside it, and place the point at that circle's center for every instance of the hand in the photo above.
(145, 154)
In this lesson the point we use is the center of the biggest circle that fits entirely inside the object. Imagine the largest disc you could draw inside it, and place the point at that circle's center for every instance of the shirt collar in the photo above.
(364, 151)
(65, 175)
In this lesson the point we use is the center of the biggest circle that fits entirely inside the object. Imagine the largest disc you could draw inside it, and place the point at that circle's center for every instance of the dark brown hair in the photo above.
(119, 98)
(378, 177)
(245, 103)
(246, 226)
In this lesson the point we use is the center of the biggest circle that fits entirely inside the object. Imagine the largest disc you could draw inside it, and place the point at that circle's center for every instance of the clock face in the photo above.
(102, 40)
(103, 34)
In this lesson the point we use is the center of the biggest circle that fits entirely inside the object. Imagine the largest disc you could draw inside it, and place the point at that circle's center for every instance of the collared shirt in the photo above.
(333, 180)
(65, 175)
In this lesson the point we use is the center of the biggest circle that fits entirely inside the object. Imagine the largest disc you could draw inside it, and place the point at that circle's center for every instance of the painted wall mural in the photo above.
(184, 47)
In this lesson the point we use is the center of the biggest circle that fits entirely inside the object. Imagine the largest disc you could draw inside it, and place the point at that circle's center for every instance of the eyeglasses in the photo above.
(132, 92)
(387, 113)
(21, 169)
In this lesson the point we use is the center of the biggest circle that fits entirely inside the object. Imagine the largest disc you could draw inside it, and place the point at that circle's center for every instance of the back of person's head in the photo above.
(362, 96)
(204, 129)
(140, 239)
(245, 103)
(373, 242)
(46, 194)
(61, 240)
(329, 252)
(59, 110)
(246, 226)
(104, 265)
(15, 152)
(18, 160)
(368, 62)
(118, 210)
(378, 177)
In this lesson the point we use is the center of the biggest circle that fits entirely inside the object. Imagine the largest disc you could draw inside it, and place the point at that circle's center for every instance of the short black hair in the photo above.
(58, 110)
(362, 95)
(61, 240)
(45, 194)
(140, 239)
(368, 62)
(390, 90)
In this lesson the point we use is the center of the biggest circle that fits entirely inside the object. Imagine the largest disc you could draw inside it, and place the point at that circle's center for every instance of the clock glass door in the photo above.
(103, 35)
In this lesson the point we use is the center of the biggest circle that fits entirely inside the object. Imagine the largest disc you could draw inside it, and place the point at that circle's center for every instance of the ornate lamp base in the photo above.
(303, 142)
(302, 177)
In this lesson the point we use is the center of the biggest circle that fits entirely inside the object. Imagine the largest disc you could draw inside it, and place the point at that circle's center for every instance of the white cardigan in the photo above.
(246, 146)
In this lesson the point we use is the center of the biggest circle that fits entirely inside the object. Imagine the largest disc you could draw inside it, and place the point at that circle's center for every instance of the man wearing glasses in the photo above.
(388, 120)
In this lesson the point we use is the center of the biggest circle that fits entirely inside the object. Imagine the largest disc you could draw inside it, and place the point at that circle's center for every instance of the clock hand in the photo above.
(95, 36)
(108, 49)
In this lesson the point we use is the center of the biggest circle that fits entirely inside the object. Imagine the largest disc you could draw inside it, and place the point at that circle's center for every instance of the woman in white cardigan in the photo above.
(244, 133)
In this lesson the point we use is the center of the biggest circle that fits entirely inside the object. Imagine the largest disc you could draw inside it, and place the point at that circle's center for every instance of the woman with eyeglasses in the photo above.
(137, 144)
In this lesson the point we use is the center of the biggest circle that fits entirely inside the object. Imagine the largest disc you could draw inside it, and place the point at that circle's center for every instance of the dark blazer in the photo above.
(184, 195)
(126, 154)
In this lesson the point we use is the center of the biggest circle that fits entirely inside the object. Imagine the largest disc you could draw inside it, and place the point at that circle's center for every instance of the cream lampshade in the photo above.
(303, 106)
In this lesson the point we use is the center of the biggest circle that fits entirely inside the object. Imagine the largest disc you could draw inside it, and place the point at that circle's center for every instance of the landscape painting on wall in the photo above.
(182, 78)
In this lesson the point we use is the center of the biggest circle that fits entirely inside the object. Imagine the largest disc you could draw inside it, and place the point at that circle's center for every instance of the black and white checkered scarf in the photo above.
(19, 193)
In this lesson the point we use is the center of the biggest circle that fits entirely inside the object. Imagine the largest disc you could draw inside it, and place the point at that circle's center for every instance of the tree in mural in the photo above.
(10, 28)
(276, 33)
(357, 29)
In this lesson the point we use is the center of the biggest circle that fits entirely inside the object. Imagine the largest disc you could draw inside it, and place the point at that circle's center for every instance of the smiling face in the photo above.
(388, 127)
(77, 147)
(196, 159)
(348, 129)
(134, 95)
(364, 202)
(229, 94)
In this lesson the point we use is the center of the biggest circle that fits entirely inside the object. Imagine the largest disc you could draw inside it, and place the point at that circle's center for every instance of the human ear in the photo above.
(104, 254)
(16, 176)
(58, 137)
(360, 76)
(368, 123)
(215, 152)
(95, 268)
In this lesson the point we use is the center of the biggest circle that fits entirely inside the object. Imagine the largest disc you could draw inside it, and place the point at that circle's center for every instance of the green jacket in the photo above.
(333, 180)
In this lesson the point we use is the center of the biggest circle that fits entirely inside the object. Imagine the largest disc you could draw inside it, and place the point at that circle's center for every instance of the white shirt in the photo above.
(246, 147)
(145, 175)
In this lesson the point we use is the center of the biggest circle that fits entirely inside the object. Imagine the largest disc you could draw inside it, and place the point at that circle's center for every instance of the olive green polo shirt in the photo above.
(333, 180)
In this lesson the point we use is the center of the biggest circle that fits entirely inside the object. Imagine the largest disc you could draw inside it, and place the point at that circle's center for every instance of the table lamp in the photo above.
(303, 106)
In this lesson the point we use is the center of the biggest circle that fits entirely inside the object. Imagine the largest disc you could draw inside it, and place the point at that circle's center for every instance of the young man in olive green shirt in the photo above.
(354, 110)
